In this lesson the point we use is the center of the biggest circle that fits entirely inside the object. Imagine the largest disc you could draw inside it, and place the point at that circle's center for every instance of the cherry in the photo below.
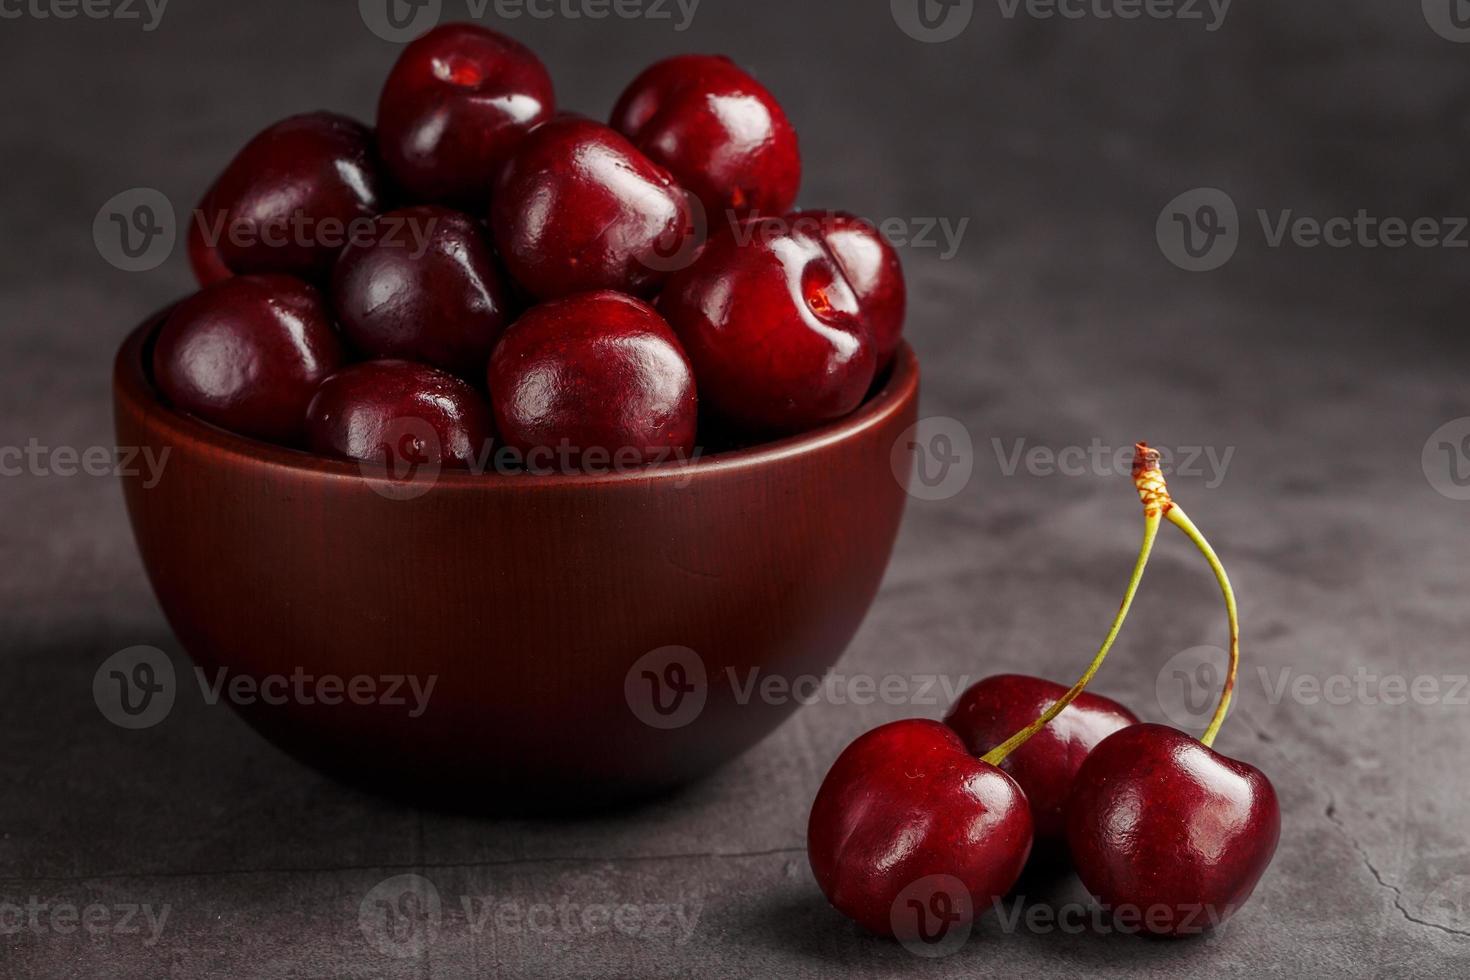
(597, 378)
(889, 814)
(425, 286)
(1158, 822)
(1168, 829)
(994, 708)
(719, 131)
(577, 208)
(457, 100)
(247, 354)
(773, 328)
(872, 267)
(369, 411)
(289, 200)
(204, 258)
(906, 801)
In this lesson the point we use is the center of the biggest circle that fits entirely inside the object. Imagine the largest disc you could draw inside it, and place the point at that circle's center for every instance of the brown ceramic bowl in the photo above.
(535, 603)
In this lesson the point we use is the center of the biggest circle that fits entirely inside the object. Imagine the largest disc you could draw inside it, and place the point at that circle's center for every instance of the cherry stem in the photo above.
(1150, 484)
(1148, 478)
(1179, 519)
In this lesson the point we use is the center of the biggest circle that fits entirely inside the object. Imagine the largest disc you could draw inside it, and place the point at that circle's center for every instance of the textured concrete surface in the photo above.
(1057, 322)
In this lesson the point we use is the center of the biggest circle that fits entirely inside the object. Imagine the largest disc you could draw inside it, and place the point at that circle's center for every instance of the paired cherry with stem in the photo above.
(1158, 824)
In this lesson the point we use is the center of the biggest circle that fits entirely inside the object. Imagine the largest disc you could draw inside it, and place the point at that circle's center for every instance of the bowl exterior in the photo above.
(534, 606)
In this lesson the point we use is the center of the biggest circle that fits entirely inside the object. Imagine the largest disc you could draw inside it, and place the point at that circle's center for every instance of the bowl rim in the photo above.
(133, 387)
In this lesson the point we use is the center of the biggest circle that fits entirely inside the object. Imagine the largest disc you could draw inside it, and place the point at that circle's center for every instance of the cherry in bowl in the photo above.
(872, 268)
(456, 102)
(393, 411)
(595, 379)
(720, 132)
(577, 208)
(774, 329)
(247, 354)
(425, 286)
(290, 198)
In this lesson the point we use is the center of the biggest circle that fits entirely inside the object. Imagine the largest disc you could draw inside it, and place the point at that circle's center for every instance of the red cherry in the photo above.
(994, 709)
(874, 271)
(247, 354)
(204, 258)
(424, 286)
(578, 208)
(596, 372)
(368, 411)
(289, 200)
(1168, 831)
(719, 131)
(773, 329)
(457, 100)
(906, 801)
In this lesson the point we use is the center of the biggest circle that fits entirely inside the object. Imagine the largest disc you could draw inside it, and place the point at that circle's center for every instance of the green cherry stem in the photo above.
(1150, 483)
(1179, 519)
(1146, 461)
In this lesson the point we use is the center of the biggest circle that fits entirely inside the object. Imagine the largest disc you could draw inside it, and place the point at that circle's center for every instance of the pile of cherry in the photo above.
(1170, 836)
(491, 268)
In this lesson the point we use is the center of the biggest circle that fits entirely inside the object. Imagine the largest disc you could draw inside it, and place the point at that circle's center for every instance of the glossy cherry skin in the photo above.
(598, 371)
(1170, 830)
(577, 208)
(773, 329)
(994, 709)
(721, 134)
(457, 100)
(247, 355)
(425, 286)
(288, 201)
(367, 411)
(908, 800)
(204, 259)
(872, 267)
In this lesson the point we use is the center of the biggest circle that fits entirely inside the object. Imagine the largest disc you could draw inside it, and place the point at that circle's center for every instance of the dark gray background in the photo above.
(1058, 322)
